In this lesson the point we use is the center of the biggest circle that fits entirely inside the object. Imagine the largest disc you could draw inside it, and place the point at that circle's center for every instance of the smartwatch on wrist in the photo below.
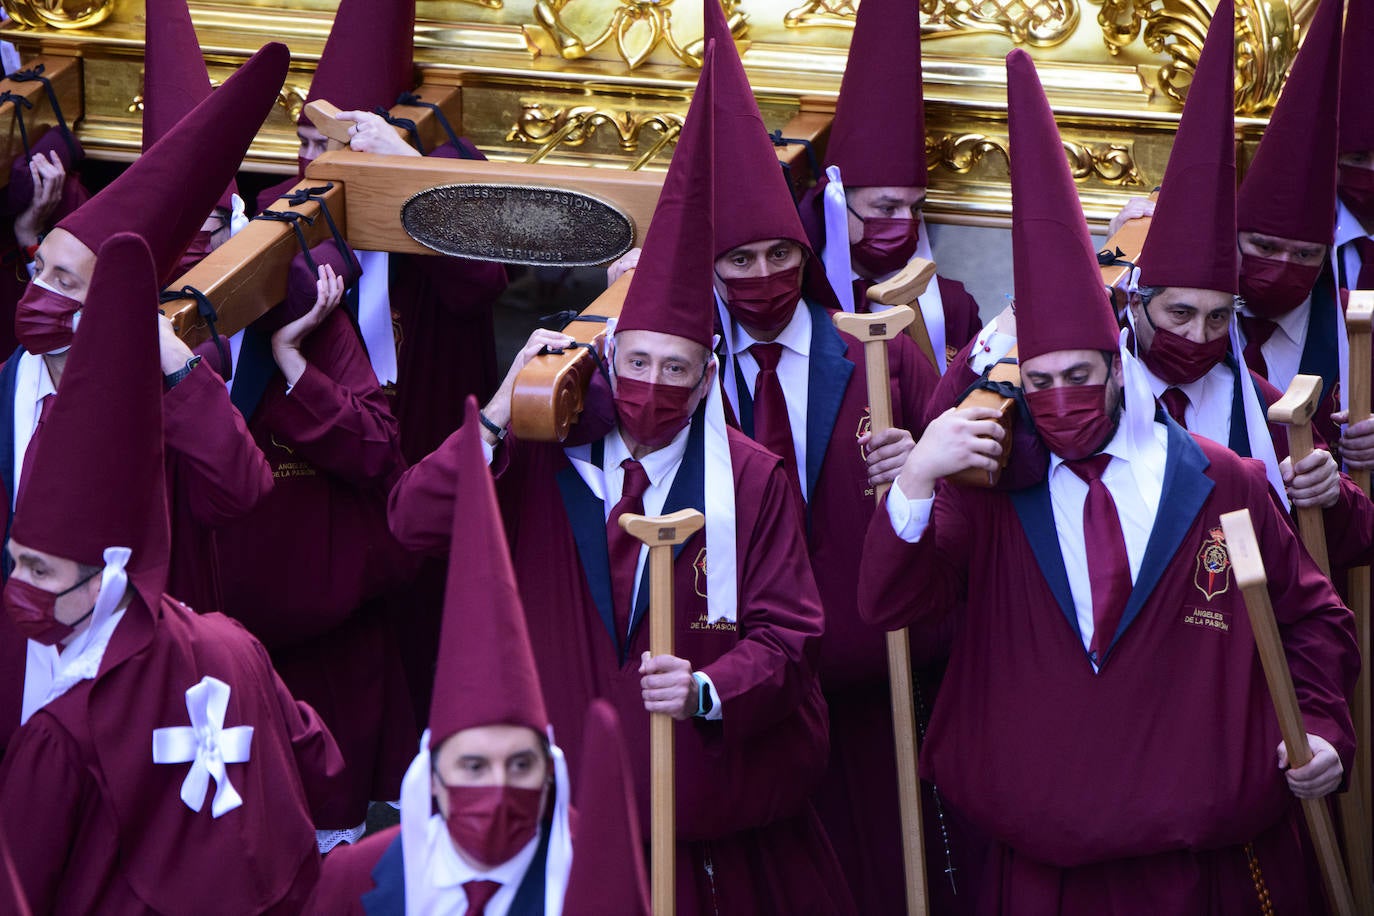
(172, 379)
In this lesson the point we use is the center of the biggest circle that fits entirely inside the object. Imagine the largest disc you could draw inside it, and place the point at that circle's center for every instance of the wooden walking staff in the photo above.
(1295, 409)
(1249, 569)
(662, 533)
(875, 330)
(1359, 316)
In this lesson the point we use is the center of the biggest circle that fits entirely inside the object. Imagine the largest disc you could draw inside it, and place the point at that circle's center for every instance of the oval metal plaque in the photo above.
(515, 224)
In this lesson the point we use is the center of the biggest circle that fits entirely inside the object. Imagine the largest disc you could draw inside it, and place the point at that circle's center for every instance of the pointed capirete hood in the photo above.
(369, 58)
(1289, 191)
(1192, 239)
(486, 673)
(671, 291)
(165, 196)
(95, 477)
(608, 854)
(1061, 303)
(879, 134)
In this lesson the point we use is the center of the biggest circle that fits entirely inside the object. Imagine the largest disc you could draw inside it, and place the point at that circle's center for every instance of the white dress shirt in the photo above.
(449, 872)
(794, 375)
(988, 347)
(1209, 401)
(1283, 350)
(1135, 482)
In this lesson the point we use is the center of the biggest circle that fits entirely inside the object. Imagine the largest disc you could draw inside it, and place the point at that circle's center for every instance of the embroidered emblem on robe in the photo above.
(1213, 576)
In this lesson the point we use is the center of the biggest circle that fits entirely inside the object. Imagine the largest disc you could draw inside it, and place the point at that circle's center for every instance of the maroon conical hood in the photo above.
(175, 78)
(168, 192)
(1357, 78)
(369, 58)
(608, 856)
(1289, 190)
(486, 673)
(879, 134)
(752, 196)
(1061, 303)
(671, 290)
(94, 477)
(1192, 239)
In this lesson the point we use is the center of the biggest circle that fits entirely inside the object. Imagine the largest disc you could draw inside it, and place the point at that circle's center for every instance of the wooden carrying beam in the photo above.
(65, 75)
(1129, 241)
(810, 125)
(1248, 564)
(549, 392)
(379, 185)
(246, 275)
(1006, 370)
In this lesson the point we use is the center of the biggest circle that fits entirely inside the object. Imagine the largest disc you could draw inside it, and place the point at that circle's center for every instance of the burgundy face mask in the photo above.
(652, 413)
(1178, 360)
(766, 303)
(1071, 419)
(887, 244)
(45, 320)
(493, 823)
(1355, 186)
(34, 611)
(1274, 288)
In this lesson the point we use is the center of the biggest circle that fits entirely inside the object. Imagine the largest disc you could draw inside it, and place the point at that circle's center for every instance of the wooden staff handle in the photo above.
(662, 533)
(904, 288)
(1248, 564)
(875, 330)
(1295, 410)
(1359, 318)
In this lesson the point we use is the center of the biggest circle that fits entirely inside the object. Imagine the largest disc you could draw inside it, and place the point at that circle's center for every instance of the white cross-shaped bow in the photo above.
(207, 745)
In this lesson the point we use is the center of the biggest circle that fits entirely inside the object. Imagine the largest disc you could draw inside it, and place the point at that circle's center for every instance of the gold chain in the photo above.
(1257, 876)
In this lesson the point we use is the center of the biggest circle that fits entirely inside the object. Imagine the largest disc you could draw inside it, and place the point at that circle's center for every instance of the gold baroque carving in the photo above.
(573, 127)
(1038, 23)
(59, 14)
(635, 29)
(291, 99)
(1111, 163)
(1266, 41)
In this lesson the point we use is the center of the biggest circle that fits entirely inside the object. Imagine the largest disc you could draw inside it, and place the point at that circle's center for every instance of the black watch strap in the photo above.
(172, 379)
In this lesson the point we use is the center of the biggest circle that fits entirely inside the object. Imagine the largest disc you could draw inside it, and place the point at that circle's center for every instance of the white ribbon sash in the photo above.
(207, 745)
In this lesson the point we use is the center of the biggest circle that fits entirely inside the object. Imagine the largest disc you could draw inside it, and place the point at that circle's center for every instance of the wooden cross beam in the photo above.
(246, 276)
(65, 75)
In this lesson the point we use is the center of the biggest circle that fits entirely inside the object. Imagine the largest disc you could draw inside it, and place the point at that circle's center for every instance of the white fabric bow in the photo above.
(207, 745)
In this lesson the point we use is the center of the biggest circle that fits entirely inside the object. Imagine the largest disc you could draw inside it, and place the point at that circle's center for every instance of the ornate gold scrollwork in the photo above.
(1266, 41)
(1112, 164)
(292, 100)
(635, 29)
(59, 14)
(551, 129)
(1038, 23)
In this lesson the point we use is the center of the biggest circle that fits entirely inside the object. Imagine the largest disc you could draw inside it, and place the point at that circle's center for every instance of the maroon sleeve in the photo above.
(43, 789)
(318, 760)
(962, 322)
(335, 415)
(914, 382)
(903, 584)
(958, 376)
(764, 677)
(1318, 631)
(420, 507)
(225, 474)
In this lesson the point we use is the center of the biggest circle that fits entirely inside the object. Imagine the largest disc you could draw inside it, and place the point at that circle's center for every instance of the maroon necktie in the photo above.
(479, 895)
(861, 287)
(1257, 333)
(772, 429)
(623, 547)
(1109, 568)
(1176, 402)
(1364, 245)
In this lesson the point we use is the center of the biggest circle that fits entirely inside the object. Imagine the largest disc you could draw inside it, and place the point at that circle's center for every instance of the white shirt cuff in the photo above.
(988, 347)
(909, 517)
(704, 679)
(488, 452)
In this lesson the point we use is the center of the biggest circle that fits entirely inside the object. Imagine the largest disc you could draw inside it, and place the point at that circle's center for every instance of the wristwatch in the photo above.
(171, 380)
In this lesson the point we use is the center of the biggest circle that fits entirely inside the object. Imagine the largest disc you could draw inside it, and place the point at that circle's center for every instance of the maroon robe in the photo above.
(104, 829)
(743, 782)
(215, 473)
(1132, 790)
(304, 570)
